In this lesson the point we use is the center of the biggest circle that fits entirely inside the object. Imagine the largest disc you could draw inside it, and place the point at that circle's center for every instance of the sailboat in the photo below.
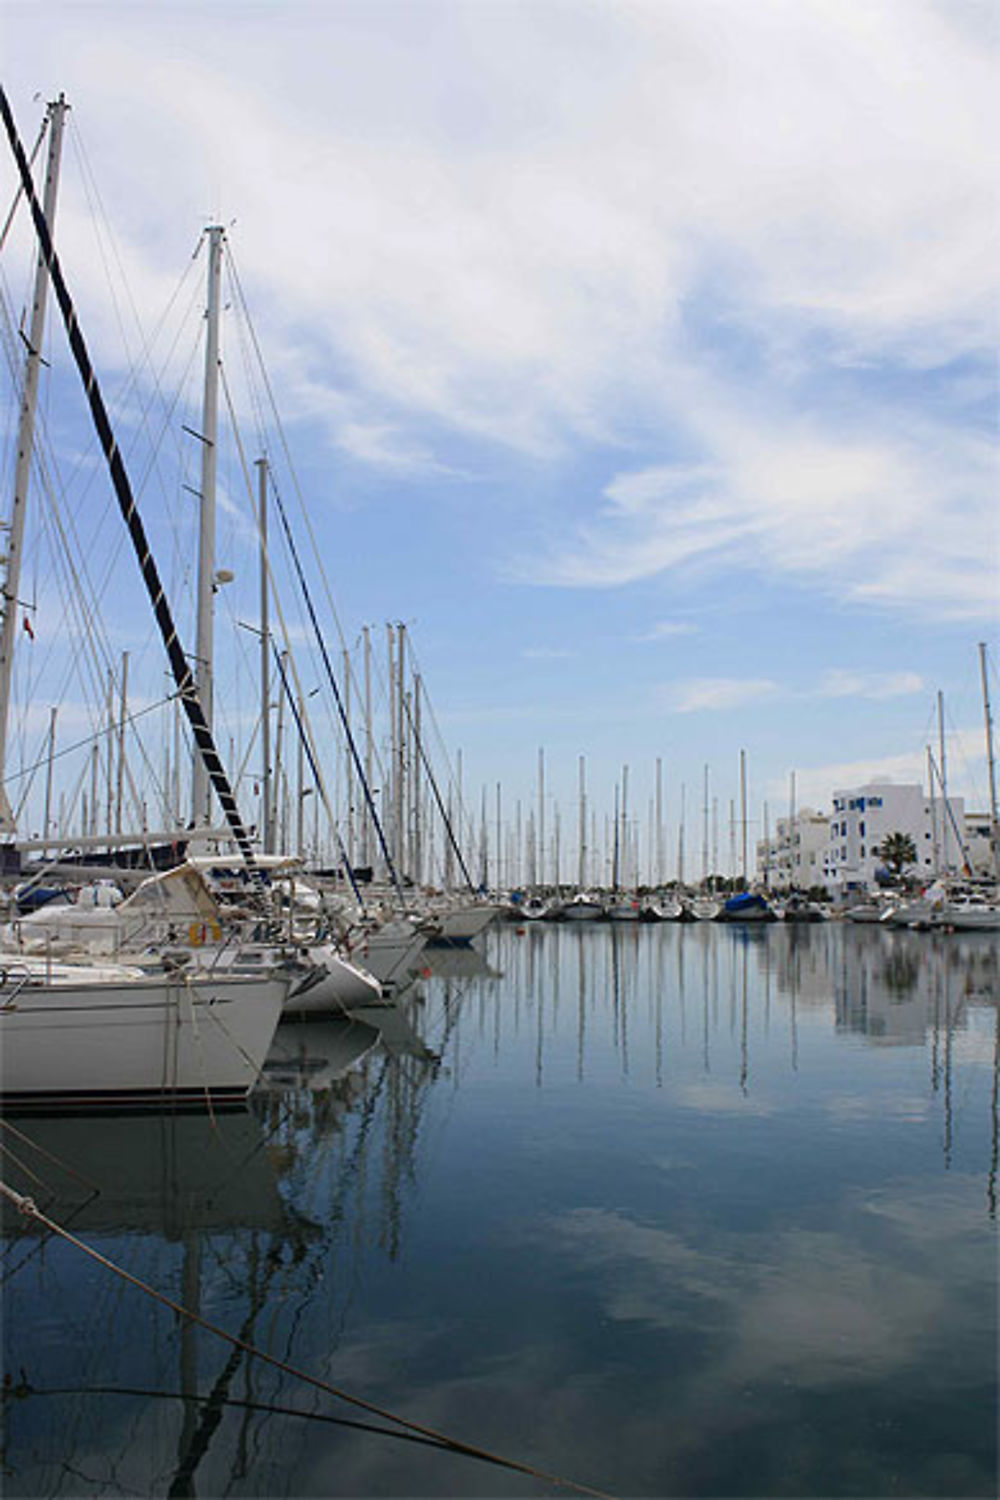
(94, 1034)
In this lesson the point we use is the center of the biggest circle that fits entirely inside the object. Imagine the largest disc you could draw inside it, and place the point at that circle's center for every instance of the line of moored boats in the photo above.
(942, 906)
(173, 991)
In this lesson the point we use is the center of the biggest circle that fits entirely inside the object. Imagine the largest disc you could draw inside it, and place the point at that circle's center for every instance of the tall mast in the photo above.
(366, 850)
(352, 852)
(266, 805)
(624, 872)
(704, 833)
(582, 872)
(25, 439)
(205, 639)
(943, 779)
(743, 811)
(540, 867)
(416, 812)
(990, 766)
(389, 797)
(658, 867)
(933, 806)
(402, 854)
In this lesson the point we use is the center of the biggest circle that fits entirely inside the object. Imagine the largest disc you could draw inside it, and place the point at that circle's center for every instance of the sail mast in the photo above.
(179, 665)
(22, 474)
(266, 815)
(990, 766)
(205, 639)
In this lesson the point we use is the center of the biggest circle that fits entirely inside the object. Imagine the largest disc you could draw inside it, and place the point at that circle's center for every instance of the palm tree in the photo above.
(897, 850)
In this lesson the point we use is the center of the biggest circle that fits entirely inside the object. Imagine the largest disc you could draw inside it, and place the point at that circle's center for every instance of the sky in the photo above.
(640, 357)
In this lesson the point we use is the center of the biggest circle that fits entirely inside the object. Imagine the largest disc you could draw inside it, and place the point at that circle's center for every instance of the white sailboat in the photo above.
(91, 1033)
(95, 1036)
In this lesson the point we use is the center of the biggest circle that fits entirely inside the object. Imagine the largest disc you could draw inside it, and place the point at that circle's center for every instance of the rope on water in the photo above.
(28, 1208)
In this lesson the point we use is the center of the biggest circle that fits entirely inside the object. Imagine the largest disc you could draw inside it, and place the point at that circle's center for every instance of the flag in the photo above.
(28, 628)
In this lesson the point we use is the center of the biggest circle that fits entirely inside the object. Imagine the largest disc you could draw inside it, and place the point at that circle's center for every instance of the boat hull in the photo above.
(461, 926)
(332, 986)
(135, 1042)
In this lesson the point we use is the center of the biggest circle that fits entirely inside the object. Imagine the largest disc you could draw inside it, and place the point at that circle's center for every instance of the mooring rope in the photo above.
(30, 1210)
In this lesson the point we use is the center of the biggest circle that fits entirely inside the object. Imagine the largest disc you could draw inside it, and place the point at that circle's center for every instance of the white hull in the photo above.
(333, 986)
(124, 1041)
(388, 953)
(969, 918)
(464, 923)
(582, 909)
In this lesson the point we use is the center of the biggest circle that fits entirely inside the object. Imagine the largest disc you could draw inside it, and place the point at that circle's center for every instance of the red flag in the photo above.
(28, 627)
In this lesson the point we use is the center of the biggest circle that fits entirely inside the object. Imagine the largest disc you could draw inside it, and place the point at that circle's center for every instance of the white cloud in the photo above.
(542, 268)
(841, 683)
(666, 630)
(712, 693)
(966, 771)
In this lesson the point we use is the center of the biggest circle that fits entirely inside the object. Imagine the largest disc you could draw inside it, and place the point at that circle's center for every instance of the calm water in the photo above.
(671, 1211)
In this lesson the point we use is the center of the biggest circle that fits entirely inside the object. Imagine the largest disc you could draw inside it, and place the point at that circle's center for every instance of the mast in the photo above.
(47, 815)
(417, 791)
(25, 440)
(179, 664)
(582, 872)
(943, 780)
(623, 860)
(934, 818)
(658, 824)
(990, 766)
(540, 868)
(704, 833)
(348, 766)
(366, 846)
(389, 801)
(400, 782)
(120, 768)
(205, 638)
(266, 804)
(743, 812)
(791, 830)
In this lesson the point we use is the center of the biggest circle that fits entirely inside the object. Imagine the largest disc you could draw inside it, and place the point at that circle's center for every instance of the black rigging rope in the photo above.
(179, 663)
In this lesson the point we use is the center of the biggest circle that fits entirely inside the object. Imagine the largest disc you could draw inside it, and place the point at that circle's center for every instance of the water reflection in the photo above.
(242, 1217)
(672, 1209)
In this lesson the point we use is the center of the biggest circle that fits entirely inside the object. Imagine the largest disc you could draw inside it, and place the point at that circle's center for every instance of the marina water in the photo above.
(669, 1210)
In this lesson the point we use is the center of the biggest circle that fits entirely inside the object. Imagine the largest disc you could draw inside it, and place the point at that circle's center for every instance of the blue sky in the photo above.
(640, 356)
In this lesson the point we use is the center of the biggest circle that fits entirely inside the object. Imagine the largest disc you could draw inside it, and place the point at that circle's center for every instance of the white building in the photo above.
(978, 846)
(864, 816)
(795, 856)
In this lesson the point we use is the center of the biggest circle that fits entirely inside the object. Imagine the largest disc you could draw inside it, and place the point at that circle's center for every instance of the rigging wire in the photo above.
(126, 500)
(81, 588)
(19, 191)
(28, 1208)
